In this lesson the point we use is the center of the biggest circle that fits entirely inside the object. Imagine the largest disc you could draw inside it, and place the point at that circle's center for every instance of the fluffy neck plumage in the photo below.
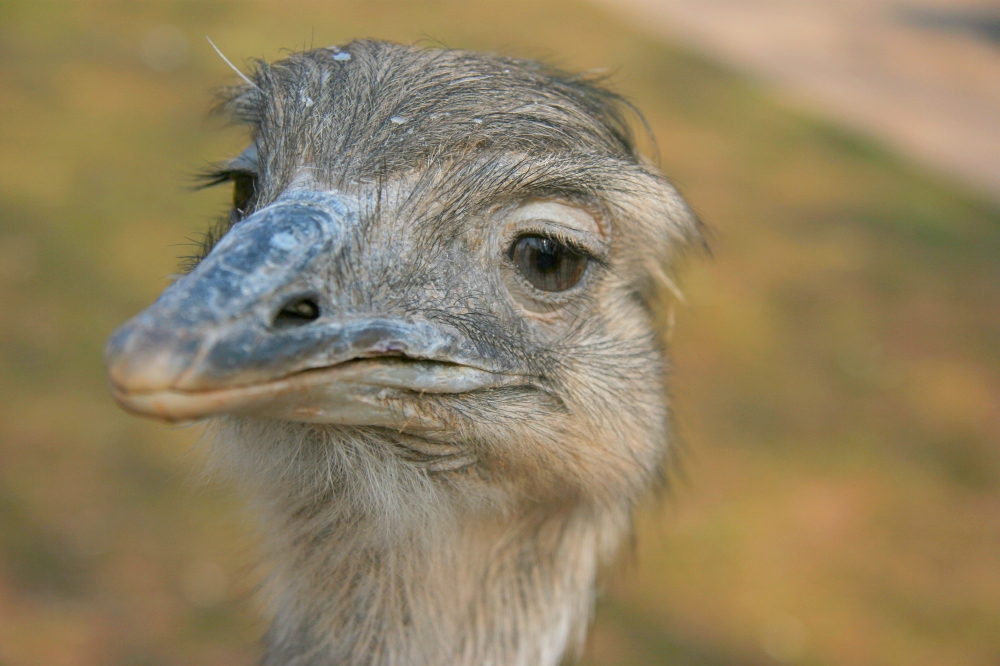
(376, 562)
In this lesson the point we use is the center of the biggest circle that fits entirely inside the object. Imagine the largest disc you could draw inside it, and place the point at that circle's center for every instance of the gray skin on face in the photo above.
(425, 341)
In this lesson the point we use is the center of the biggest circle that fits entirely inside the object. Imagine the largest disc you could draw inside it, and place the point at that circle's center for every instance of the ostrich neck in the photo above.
(476, 590)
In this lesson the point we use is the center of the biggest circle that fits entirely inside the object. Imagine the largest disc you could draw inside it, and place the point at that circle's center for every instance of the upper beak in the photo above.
(211, 343)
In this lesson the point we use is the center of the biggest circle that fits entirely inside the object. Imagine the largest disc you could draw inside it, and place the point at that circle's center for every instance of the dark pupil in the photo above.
(547, 263)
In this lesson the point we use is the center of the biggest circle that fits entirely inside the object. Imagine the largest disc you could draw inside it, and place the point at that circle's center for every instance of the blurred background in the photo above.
(837, 375)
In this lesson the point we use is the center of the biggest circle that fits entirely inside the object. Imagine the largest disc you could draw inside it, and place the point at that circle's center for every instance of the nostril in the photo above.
(297, 312)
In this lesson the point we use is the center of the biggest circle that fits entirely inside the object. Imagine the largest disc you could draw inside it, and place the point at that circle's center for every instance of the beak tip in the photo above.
(137, 361)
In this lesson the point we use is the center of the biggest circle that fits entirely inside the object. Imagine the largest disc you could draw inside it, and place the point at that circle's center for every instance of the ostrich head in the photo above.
(425, 347)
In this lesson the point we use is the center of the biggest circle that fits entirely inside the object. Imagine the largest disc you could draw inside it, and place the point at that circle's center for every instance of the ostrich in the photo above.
(425, 348)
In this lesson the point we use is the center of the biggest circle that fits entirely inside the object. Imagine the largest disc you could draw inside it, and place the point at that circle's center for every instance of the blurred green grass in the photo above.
(837, 378)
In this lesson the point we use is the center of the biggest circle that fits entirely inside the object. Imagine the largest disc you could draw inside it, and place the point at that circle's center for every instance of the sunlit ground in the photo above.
(837, 368)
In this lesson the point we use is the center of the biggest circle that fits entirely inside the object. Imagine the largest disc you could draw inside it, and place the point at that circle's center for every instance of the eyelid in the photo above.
(235, 174)
(579, 241)
(218, 176)
(248, 160)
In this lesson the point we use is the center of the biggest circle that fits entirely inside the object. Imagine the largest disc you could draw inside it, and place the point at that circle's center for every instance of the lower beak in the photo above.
(371, 392)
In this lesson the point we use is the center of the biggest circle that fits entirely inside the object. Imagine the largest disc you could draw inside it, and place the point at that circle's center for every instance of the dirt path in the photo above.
(922, 75)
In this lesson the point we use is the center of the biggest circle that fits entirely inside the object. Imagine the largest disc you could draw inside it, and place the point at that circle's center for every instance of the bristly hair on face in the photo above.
(369, 112)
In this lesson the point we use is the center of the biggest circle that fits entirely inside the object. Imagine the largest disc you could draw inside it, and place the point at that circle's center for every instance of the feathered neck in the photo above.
(514, 593)
(384, 563)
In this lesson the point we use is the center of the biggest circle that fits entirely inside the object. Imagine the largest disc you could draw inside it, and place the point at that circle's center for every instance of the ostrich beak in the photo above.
(214, 342)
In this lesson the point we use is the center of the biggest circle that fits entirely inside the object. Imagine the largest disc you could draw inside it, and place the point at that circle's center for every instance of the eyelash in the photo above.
(566, 239)
(244, 187)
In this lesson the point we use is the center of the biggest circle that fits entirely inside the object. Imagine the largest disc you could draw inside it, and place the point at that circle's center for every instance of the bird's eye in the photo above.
(244, 189)
(547, 263)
